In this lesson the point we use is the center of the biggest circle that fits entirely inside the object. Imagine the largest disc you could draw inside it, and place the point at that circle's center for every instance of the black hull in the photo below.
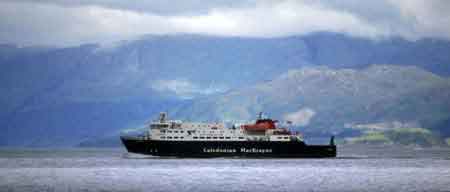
(281, 149)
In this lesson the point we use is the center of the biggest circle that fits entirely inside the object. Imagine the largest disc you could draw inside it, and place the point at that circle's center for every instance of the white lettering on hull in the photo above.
(255, 150)
(218, 150)
(242, 150)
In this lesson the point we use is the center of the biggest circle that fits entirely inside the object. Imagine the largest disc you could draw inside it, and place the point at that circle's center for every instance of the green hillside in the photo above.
(402, 136)
(328, 100)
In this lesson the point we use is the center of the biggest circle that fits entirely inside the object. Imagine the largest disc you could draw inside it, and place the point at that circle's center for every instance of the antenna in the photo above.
(332, 140)
(162, 117)
(289, 125)
(260, 115)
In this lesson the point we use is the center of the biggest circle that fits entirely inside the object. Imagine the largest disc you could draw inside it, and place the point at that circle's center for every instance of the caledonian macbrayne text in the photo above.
(242, 150)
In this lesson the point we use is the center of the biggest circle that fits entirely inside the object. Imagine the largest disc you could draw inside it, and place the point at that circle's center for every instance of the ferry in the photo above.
(261, 138)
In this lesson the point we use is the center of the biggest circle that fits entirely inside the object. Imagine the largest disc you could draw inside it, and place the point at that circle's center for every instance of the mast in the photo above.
(259, 115)
(162, 117)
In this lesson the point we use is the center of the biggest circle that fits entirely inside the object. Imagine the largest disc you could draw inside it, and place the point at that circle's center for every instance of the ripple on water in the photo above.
(114, 170)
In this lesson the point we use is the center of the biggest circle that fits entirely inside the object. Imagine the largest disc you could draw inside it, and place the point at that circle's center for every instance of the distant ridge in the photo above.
(64, 95)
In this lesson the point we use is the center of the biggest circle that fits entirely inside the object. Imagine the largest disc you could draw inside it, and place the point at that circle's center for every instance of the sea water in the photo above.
(357, 168)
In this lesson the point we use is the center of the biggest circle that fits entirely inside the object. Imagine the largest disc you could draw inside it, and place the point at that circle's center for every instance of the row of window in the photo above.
(212, 126)
(178, 125)
(169, 137)
(195, 137)
(163, 131)
(169, 131)
(282, 137)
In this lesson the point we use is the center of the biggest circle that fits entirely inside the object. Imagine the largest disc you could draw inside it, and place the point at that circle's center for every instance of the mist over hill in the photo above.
(59, 96)
(320, 99)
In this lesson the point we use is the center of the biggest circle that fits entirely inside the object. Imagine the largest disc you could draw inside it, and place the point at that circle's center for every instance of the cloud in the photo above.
(43, 24)
(184, 88)
(157, 7)
(268, 20)
(300, 118)
(412, 19)
(425, 18)
(58, 22)
(382, 126)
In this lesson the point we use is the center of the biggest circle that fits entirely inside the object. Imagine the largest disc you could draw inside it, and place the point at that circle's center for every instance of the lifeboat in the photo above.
(282, 131)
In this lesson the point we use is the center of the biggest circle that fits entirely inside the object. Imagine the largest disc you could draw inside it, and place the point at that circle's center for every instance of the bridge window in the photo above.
(195, 137)
(221, 137)
(160, 126)
(162, 137)
(202, 137)
(208, 137)
(241, 137)
(227, 137)
(169, 137)
(214, 137)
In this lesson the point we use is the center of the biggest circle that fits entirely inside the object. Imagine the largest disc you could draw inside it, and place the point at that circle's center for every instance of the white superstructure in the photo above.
(164, 129)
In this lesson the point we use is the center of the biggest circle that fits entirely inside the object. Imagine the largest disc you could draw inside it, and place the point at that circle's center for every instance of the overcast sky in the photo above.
(68, 23)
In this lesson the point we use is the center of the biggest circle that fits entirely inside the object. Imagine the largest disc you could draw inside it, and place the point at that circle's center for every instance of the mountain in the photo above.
(58, 96)
(321, 99)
